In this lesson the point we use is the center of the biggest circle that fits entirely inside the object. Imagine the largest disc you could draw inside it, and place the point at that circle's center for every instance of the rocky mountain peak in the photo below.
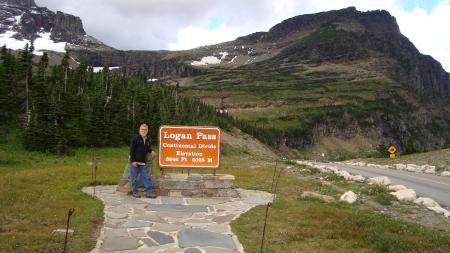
(22, 21)
(378, 21)
(19, 3)
(67, 27)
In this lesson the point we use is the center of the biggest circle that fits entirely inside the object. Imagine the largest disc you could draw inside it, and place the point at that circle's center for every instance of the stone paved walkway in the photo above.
(171, 224)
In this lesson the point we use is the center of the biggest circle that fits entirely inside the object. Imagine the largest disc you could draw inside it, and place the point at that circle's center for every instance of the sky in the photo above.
(185, 24)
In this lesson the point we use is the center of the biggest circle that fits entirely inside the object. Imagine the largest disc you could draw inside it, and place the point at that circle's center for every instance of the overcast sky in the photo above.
(184, 24)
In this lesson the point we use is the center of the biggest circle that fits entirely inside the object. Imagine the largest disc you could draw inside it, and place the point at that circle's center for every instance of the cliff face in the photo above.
(67, 27)
(152, 64)
(28, 21)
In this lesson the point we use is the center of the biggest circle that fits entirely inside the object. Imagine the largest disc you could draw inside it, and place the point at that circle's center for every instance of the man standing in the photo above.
(139, 148)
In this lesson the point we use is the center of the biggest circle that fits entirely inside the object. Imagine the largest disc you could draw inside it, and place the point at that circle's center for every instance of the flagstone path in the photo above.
(171, 224)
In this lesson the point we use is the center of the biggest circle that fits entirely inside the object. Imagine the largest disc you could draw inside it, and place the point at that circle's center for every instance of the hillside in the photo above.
(342, 74)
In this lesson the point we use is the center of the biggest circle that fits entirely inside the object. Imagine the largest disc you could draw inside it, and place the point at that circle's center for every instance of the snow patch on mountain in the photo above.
(98, 69)
(210, 60)
(41, 44)
(44, 43)
(10, 42)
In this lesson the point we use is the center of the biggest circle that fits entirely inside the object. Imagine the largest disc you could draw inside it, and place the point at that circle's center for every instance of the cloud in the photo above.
(427, 31)
(182, 24)
(192, 36)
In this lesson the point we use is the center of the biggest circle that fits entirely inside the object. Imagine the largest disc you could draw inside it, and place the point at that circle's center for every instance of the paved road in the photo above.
(425, 185)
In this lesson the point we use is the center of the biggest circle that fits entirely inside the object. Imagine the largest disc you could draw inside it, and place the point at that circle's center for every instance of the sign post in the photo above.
(189, 147)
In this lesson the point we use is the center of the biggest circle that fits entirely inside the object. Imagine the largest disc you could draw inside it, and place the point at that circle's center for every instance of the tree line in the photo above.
(61, 107)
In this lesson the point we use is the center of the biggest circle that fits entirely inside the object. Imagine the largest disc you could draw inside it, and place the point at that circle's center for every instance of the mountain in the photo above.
(22, 21)
(334, 75)
(340, 76)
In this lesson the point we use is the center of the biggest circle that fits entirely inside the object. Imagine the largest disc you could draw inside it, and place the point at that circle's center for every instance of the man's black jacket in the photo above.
(139, 150)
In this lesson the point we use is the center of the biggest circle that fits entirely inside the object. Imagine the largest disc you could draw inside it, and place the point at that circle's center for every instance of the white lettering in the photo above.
(182, 153)
(177, 137)
(203, 136)
(210, 146)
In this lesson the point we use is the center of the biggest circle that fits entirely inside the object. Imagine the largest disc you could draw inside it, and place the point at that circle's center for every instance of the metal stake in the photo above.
(71, 210)
(274, 173)
(264, 229)
(276, 184)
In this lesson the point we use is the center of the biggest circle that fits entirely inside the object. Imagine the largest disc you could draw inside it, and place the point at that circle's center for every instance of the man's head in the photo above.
(143, 130)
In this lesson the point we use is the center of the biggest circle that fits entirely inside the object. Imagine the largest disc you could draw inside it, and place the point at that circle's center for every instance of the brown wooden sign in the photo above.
(189, 147)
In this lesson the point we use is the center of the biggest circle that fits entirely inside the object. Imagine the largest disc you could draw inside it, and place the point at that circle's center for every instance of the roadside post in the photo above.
(392, 151)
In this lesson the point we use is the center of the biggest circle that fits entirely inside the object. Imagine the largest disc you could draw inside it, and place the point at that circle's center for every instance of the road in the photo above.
(425, 185)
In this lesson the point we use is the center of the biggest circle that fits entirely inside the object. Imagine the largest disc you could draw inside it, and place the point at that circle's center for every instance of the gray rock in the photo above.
(116, 232)
(168, 215)
(160, 238)
(178, 208)
(167, 227)
(199, 237)
(116, 215)
(119, 243)
(192, 250)
(207, 201)
(137, 233)
(136, 224)
(149, 242)
(172, 200)
(149, 217)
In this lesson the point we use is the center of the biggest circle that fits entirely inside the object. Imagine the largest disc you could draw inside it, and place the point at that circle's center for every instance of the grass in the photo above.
(37, 190)
(304, 225)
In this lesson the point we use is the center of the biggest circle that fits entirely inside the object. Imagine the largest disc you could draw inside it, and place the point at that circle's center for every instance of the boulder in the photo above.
(440, 210)
(400, 166)
(357, 178)
(412, 167)
(405, 195)
(429, 169)
(382, 180)
(397, 187)
(445, 173)
(426, 202)
(344, 174)
(349, 197)
(319, 196)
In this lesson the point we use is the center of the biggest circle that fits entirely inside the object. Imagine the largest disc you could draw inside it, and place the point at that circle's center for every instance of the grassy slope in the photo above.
(296, 97)
(37, 190)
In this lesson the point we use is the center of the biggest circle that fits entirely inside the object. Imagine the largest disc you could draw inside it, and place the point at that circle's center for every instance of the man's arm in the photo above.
(133, 150)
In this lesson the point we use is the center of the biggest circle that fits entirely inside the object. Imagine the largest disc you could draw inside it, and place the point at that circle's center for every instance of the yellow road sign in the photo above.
(392, 149)
(392, 156)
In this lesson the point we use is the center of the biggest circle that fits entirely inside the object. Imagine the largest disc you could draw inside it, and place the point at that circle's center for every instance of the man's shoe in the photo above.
(151, 195)
(136, 195)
